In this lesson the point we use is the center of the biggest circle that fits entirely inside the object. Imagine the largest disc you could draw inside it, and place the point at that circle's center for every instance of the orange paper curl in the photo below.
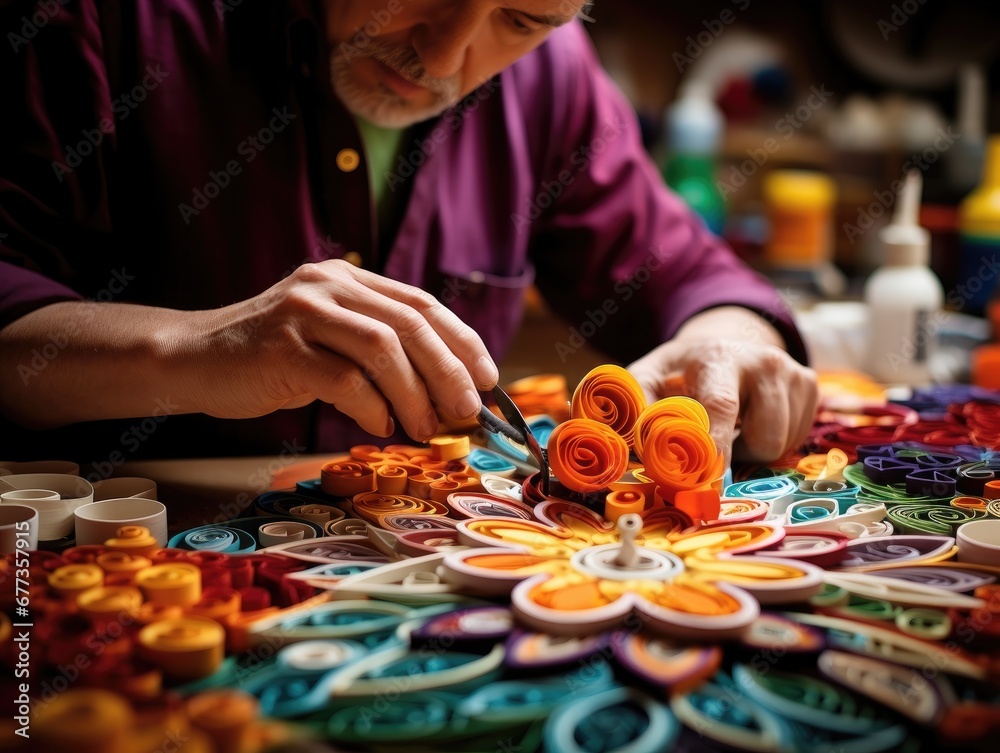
(612, 396)
(346, 479)
(617, 504)
(587, 455)
(393, 478)
(454, 482)
(676, 449)
(373, 506)
(685, 408)
(544, 394)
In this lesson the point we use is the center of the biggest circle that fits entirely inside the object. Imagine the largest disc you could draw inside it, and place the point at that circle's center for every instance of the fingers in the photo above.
(780, 407)
(414, 350)
(752, 392)
(446, 378)
(341, 383)
(804, 404)
(716, 385)
(460, 339)
(379, 358)
(766, 427)
(706, 374)
(650, 371)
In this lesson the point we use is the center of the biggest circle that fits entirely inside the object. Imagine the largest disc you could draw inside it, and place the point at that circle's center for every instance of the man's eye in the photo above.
(520, 23)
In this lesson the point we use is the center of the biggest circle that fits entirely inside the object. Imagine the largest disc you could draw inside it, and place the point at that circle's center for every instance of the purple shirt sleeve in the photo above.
(610, 237)
(55, 89)
(23, 291)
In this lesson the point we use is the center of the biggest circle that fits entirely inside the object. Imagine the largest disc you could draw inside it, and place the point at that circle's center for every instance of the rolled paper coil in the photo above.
(586, 455)
(610, 395)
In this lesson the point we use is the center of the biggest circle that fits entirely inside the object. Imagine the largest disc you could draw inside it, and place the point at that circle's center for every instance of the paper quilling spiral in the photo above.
(587, 455)
(612, 396)
(677, 452)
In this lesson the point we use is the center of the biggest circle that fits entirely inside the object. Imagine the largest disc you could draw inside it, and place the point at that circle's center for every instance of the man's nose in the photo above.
(444, 43)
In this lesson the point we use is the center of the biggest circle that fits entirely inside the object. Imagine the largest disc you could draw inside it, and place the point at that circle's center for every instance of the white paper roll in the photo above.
(100, 521)
(55, 516)
(18, 522)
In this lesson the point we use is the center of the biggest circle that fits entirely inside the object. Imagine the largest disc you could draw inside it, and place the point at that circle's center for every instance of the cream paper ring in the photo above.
(14, 468)
(271, 534)
(18, 528)
(100, 521)
(318, 514)
(55, 516)
(124, 486)
(979, 542)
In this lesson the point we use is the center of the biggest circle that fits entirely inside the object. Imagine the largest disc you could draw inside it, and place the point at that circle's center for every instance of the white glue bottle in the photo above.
(904, 296)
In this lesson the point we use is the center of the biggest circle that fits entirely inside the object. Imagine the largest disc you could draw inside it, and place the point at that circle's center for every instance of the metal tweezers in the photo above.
(516, 429)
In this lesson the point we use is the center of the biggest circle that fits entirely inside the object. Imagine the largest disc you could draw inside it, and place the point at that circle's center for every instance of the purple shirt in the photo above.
(190, 154)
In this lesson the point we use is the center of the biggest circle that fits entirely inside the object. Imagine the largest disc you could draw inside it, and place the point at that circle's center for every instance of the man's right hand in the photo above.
(370, 346)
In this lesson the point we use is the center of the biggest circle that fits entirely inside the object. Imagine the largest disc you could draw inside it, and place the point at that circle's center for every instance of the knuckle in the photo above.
(348, 381)
(468, 341)
(378, 336)
(310, 273)
(722, 403)
(407, 323)
(423, 302)
(772, 360)
(452, 371)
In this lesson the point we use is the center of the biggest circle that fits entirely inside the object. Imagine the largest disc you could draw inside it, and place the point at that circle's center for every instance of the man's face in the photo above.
(398, 62)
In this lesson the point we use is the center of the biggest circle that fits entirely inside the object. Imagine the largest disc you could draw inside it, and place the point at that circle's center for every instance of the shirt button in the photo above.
(348, 160)
(353, 257)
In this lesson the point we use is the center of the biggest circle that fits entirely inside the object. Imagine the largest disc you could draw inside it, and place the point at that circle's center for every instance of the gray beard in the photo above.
(382, 106)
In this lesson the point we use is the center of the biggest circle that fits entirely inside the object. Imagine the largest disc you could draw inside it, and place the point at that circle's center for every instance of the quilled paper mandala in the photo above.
(579, 574)
(457, 605)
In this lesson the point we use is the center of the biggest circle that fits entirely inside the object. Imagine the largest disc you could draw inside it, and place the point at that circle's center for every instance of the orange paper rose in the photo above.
(587, 455)
(612, 396)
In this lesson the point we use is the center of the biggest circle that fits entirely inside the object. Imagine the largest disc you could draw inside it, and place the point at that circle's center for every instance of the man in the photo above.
(179, 162)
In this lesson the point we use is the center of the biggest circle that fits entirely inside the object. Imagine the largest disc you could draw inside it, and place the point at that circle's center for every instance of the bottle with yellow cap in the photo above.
(979, 228)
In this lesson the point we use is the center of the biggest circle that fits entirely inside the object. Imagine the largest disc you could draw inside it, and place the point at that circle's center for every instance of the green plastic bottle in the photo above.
(692, 136)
